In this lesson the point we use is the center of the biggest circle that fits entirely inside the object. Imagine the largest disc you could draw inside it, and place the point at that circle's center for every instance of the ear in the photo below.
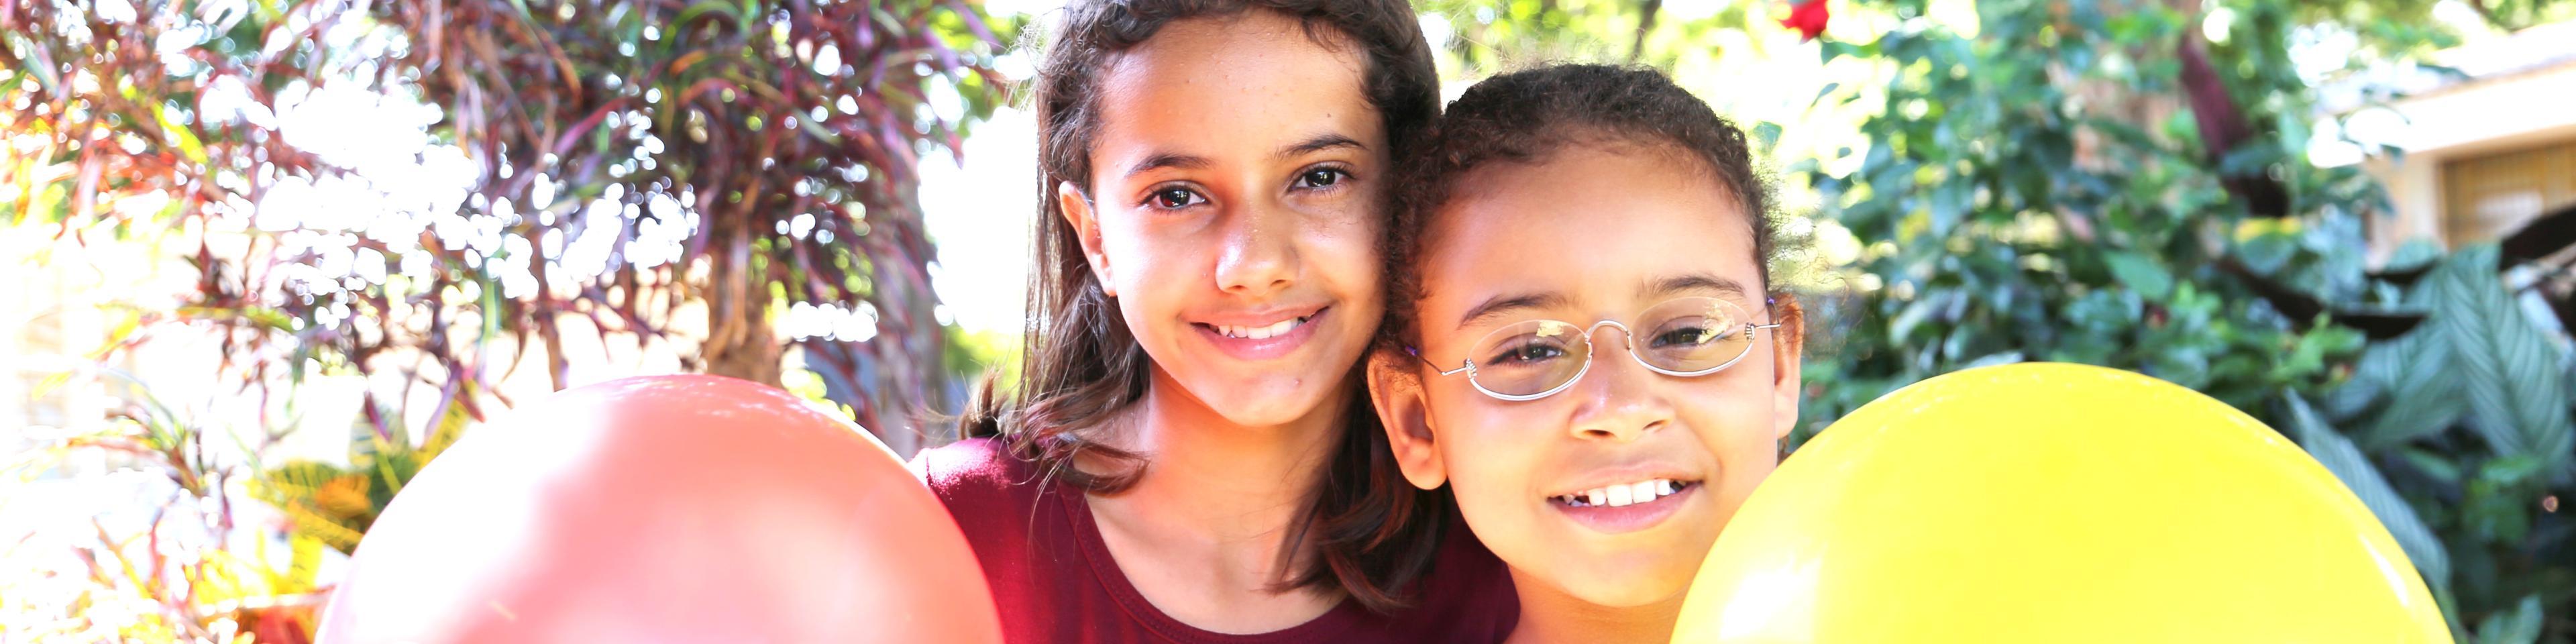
(1397, 392)
(1788, 344)
(1086, 227)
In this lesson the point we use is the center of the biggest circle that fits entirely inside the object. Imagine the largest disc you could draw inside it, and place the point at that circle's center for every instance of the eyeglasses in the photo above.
(1529, 360)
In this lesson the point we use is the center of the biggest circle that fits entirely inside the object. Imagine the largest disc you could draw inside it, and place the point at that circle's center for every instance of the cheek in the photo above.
(1348, 236)
(1733, 421)
(1488, 491)
(1340, 250)
(1151, 269)
(1490, 460)
(1128, 246)
(1354, 280)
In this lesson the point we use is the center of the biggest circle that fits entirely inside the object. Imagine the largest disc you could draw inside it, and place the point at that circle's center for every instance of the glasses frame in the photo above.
(1627, 340)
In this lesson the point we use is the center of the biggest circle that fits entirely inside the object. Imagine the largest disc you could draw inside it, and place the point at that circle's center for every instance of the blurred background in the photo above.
(263, 259)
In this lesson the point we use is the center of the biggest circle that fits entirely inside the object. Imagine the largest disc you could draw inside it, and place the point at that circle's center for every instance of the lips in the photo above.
(1261, 336)
(1627, 499)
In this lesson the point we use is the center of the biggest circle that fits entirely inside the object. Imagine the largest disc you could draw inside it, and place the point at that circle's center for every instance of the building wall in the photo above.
(2490, 195)
(2478, 127)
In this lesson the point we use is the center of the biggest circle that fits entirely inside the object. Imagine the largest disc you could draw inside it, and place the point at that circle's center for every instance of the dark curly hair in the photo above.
(1522, 117)
(1374, 534)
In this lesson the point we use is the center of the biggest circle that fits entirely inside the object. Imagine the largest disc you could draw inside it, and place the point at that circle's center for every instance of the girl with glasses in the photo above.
(1583, 341)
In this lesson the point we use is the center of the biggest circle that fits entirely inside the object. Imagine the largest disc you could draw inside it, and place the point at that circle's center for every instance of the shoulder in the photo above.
(968, 463)
(1464, 560)
(1468, 590)
(1030, 554)
(977, 477)
(1466, 597)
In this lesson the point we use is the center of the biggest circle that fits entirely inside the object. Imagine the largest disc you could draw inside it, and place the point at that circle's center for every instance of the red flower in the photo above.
(1808, 18)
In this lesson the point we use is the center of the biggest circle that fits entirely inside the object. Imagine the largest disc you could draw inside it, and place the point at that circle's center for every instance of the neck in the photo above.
(1548, 614)
(1239, 487)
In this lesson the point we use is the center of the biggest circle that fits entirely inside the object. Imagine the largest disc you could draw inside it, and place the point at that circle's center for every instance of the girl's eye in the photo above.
(1687, 336)
(1174, 198)
(1321, 178)
(1525, 353)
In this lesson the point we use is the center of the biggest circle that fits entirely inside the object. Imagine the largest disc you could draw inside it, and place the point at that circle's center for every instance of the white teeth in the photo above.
(1623, 494)
(1260, 332)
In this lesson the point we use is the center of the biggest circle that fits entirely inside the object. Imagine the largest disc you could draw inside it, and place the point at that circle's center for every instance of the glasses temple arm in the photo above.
(1435, 367)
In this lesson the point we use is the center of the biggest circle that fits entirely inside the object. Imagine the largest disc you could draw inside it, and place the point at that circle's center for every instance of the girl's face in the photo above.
(1233, 211)
(1589, 235)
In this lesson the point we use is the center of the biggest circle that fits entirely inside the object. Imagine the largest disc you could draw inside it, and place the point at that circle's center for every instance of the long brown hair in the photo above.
(1374, 534)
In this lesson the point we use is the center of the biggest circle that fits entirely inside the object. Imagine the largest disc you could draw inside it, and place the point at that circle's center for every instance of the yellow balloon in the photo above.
(2054, 503)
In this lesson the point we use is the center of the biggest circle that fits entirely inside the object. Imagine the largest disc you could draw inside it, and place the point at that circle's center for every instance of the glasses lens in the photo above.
(1692, 334)
(1529, 357)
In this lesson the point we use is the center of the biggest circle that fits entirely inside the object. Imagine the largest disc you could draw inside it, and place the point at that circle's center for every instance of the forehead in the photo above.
(1598, 223)
(1256, 78)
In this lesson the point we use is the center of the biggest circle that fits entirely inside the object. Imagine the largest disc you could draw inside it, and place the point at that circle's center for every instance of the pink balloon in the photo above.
(664, 509)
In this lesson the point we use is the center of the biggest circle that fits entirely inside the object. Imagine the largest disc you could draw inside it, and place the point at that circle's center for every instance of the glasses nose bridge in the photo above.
(1627, 337)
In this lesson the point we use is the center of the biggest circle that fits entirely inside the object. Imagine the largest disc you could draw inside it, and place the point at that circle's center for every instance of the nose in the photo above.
(1258, 254)
(1617, 397)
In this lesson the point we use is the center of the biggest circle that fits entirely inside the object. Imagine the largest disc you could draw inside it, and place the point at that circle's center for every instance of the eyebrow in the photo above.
(1319, 143)
(1168, 160)
(1695, 282)
(1498, 305)
(1311, 145)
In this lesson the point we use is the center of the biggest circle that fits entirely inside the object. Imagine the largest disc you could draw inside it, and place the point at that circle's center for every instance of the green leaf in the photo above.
(2518, 626)
(1766, 136)
(273, 319)
(2141, 274)
(2507, 365)
(2249, 159)
(2435, 466)
(815, 129)
(2500, 500)
(320, 501)
(2423, 395)
(180, 135)
(703, 7)
(1949, 204)
(1992, 359)
(2339, 456)
(2570, 375)
(1919, 312)
(304, 563)
(1822, 93)
(451, 422)
(2267, 254)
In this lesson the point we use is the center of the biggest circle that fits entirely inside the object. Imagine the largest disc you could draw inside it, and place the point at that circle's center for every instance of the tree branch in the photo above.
(1645, 24)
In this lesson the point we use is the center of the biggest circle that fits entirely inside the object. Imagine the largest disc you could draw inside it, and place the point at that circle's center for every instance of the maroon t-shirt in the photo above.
(1054, 580)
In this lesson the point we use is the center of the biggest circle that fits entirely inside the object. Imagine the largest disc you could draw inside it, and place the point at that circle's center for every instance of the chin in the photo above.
(1268, 398)
(1265, 407)
(1638, 587)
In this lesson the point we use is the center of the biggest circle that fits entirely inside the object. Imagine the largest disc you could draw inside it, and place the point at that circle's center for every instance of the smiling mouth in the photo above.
(1263, 332)
(1624, 494)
